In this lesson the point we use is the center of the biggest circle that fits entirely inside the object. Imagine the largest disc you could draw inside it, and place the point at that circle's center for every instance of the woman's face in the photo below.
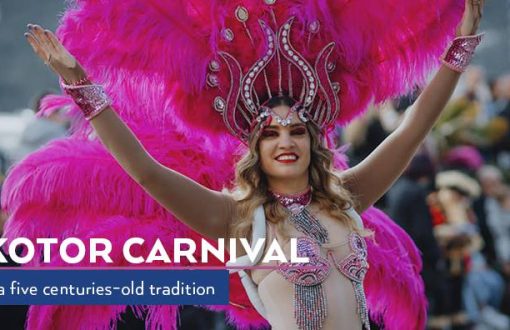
(449, 197)
(285, 151)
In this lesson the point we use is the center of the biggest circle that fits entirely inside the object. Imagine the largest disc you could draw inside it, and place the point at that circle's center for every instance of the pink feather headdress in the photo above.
(368, 51)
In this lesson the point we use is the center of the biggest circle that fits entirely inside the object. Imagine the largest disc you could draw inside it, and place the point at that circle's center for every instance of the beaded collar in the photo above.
(294, 202)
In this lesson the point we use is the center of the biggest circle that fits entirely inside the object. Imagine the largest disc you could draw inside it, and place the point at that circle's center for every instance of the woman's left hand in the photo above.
(471, 19)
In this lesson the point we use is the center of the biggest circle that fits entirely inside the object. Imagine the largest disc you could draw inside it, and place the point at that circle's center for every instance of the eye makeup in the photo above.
(300, 130)
(268, 132)
(274, 131)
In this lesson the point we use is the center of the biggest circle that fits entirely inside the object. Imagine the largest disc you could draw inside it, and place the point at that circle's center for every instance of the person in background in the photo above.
(491, 182)
(476, 289)
(42, 129)
(501, 109)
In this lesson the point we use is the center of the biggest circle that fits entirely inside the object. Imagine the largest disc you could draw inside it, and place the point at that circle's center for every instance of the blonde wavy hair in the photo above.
(251, 186)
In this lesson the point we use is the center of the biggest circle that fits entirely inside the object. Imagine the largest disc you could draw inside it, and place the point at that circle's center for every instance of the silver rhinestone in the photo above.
(287, 26)
(311, 93)
(308, 73)
(300, 62)
(270, 2)
(251, 75)
(247, 95)
(312, 86)
(314, 27)
(242, 14)
(331, 66)
(212, 80)
(286, 47)
(265, 58)
(246, 88)
(219, 103)
(291, 52)
(214, 66)
(228, 35)
(295, 57)
(248, 80)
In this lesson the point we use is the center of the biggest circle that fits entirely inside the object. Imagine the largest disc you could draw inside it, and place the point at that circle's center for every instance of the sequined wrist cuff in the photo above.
(91, 99)
(460, 52)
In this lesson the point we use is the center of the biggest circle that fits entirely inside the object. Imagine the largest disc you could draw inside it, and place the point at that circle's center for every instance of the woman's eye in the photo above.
(299, 131)
(269, 133)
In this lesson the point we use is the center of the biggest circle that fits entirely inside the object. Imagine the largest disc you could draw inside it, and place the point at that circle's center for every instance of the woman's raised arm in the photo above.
(370, 179)
(206, 211)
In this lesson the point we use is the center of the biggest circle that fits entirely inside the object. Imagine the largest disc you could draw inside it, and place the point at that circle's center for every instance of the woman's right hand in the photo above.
(46, 45)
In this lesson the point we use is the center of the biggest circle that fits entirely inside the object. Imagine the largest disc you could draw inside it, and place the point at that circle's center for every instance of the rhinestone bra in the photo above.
(309, 276)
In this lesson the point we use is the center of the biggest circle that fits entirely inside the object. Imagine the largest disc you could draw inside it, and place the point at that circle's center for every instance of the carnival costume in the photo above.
(191, 78)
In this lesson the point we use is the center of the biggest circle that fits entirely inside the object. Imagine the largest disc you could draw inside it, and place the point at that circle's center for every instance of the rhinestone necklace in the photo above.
(310, 309)
(300, 216)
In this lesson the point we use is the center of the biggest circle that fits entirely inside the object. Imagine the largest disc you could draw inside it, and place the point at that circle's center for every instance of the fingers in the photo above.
(477, 7)
(53, 40)
(42, 41)
(38, 49)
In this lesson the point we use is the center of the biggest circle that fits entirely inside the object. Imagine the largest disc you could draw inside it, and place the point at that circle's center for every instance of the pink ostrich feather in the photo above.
(72, 187)
(394, 288)
(384, 48)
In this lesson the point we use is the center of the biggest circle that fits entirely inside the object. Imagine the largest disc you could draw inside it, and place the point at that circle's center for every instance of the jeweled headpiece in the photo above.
(280, 70)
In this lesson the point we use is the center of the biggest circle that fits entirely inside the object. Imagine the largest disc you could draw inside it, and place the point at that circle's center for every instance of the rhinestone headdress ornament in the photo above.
(282, 70)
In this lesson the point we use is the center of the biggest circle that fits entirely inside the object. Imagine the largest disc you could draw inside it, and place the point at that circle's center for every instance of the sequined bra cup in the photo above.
(310, 304)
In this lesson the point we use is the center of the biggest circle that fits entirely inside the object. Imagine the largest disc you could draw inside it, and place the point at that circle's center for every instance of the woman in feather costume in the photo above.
(277, 75)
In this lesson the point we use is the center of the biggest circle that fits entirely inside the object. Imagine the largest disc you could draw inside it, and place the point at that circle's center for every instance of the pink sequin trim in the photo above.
(316, 271)
(460, 53)
(91, 99)
(355, 265)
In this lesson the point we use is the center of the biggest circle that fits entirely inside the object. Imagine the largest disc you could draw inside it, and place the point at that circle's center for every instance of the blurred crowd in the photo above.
(454, 199)
(39, 130)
